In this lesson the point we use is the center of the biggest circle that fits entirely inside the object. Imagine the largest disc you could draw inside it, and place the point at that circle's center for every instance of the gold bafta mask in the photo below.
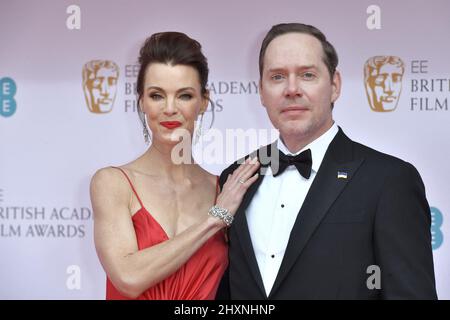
(100, 85)
(383, 81)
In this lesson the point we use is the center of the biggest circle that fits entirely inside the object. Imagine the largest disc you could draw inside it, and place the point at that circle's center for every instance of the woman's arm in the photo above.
(132, 271)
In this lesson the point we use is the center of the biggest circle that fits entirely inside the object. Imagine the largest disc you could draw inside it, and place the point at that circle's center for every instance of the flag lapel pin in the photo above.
(342, 175)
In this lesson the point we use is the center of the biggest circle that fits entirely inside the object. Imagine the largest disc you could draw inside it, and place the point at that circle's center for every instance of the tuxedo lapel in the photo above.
(241, 227)
(335, 172)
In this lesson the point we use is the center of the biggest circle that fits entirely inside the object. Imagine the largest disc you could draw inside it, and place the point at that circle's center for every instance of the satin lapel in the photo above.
(323, 192)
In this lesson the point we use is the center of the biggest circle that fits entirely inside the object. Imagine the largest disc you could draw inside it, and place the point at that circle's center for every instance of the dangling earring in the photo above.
(145, 131)
(198, 131)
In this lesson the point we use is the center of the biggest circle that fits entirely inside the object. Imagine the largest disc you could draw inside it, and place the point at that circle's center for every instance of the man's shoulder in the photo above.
(236, 163)
(381, 160)
(230, 169)
(346, 149)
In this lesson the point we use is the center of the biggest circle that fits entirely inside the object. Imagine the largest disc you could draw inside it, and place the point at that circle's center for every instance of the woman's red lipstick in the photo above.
(170, 124)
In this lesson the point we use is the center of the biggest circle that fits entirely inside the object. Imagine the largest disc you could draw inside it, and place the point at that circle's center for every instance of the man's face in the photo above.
(102, 90)
(296, 88)
(385, 85)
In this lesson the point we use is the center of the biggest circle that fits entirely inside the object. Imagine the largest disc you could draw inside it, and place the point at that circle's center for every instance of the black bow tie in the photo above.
(302, 162)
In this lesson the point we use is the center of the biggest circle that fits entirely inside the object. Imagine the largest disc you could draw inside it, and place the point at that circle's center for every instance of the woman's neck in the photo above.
(170, 160)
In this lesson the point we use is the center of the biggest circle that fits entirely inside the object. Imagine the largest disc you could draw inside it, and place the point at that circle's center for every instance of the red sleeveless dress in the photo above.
(197, 279)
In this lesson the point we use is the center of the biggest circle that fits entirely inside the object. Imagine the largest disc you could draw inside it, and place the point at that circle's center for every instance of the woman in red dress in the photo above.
(158, 221)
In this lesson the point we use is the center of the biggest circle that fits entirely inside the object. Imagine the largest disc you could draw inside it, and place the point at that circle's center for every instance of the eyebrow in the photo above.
(161, 89)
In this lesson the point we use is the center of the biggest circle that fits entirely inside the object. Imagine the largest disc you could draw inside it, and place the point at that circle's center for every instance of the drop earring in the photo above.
(145, 130)
(198, 131)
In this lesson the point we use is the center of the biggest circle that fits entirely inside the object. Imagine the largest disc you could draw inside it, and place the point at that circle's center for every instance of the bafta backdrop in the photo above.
(68, 107)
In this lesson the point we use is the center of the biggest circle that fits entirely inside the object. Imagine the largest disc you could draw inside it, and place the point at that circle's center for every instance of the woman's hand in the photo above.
(237, 184)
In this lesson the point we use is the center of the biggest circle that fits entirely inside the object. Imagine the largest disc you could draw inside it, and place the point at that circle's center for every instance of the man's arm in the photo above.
(403, 238)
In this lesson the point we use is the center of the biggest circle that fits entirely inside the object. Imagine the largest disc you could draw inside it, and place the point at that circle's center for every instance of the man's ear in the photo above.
(336, 84)
(261, 98)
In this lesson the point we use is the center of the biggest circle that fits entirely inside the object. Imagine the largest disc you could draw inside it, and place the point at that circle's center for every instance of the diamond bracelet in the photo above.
(222, 214)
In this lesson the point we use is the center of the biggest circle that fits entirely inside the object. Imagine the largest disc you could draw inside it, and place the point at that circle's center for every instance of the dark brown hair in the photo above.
(330, 57)
(173, 48)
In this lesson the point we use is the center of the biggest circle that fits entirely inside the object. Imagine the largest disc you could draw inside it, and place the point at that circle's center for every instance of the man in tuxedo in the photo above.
(327, 218)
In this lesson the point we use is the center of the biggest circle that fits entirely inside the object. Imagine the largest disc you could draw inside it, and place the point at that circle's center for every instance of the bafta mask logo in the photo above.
(100, 85)
(383, 81)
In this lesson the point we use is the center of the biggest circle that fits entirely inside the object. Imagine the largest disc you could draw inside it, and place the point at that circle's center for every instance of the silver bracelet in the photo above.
(222, 214)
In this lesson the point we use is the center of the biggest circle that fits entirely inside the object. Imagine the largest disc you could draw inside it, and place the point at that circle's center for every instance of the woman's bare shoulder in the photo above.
(109, 181)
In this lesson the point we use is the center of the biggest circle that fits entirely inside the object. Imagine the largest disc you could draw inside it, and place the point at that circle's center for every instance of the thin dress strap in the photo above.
(131, 185)
(217, 189)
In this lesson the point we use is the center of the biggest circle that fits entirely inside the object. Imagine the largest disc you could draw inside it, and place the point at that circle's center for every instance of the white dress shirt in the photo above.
(275, 205)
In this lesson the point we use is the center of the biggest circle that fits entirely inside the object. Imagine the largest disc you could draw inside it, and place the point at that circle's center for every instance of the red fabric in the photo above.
(197, 279)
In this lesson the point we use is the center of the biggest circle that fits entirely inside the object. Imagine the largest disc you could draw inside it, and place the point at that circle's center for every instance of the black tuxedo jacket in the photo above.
(378, 215)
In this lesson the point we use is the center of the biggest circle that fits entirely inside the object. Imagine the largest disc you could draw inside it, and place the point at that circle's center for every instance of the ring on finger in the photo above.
(241, 181)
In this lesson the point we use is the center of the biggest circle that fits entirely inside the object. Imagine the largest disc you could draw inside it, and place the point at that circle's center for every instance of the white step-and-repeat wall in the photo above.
(52, 139)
